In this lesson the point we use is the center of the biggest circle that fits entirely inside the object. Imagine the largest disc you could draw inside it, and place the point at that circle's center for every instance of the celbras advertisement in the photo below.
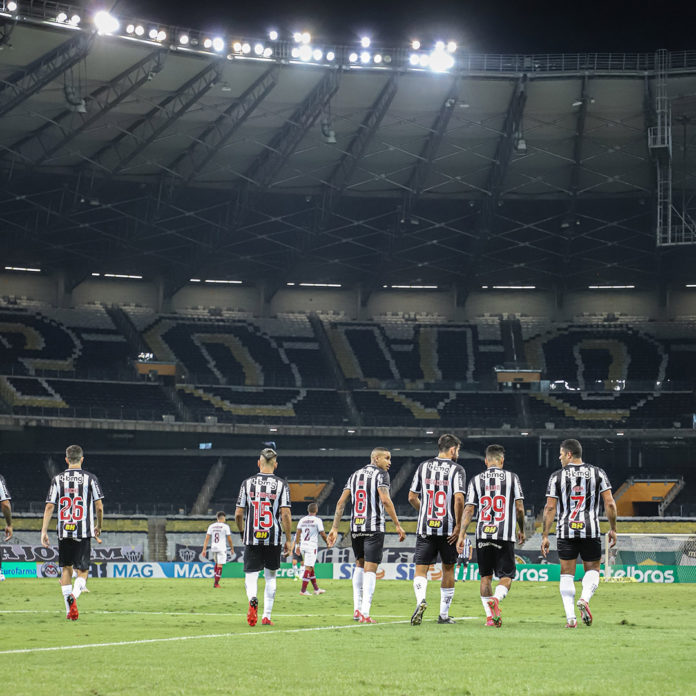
(528, 572)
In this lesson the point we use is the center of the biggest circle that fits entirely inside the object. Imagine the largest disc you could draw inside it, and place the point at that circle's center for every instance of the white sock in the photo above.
(484, 601)
(269, 592)
(78, 586)
(420, 587)
(446, 596)
(358, 573)
(251, 583)
(589, 584)
(67, 591)
(501, 592)
(369, 582)
(567, 587)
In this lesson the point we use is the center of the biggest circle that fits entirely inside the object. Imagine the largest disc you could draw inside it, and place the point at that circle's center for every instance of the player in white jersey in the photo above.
(575, 492)
(6, 506)
(218, 535)
(309, 529)
(497, 495)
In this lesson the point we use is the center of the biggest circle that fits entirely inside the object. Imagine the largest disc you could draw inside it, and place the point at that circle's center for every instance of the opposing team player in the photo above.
(78, 496)
(497, 495)
(262, 515)
(464, 558)
(575, 492)
(309, 529)
(6, 506)
(218, 535)
(369, 489)
(437, 492)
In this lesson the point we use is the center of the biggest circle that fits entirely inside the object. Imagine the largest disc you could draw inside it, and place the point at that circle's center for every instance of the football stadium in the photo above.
(239, 270)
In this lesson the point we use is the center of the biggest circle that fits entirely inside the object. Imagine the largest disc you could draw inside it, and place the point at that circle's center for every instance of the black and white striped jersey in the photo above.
(367, 514)
(494, 492)
(437, 481)
(262, 496)
(578, 491)
(4, 490)
(74, 492)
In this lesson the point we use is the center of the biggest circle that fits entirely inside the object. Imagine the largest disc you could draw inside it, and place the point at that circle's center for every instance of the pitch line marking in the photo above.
(145, 641)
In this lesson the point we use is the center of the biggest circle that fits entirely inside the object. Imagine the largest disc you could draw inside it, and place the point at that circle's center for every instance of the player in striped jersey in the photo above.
(78, 496)
(437, 492)
(464, 558)
(309, 529)
(218, 535)
(497, 494)
(262, 515)
(574, 492)
(369, 489)
(6, 506)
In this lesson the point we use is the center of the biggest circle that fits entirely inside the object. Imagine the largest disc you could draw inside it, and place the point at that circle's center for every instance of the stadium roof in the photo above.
(134, 155)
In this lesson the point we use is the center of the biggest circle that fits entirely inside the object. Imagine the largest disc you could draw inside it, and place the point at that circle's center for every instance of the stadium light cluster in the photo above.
(121, 276)
(24, 269)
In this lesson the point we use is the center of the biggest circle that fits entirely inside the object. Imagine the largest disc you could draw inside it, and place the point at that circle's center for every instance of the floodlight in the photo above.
(439, 45)
(415, 44)
(297, 37)
(130, 29)
(62, 17)
(424, 60)
(378, 58)
(353, 58)
(387, 59)
(306, 37)
(237, 47)
(152, 34)
(305, 52)
(273, 35)
(75, 20)
(218, 44)
(441, 61)
(258, 49)
(330, 55)
(103, 21)
(267, 52)
(365, 42)
(317, 54)
(139, 30)
(184, 39)
(451, 46)
(295, 53)
(414, 59)
(207, 43)
(161, 35)
(365, 57)
(11, 6)
(246, 48)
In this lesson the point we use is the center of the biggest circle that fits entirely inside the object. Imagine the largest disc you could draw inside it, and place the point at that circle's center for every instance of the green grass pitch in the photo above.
(183, 637)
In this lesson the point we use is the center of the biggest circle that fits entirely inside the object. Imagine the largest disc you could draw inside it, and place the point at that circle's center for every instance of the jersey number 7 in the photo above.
(579, 501)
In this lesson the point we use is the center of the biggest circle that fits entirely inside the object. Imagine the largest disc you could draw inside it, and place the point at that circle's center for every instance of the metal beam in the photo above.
(344, 170)
(21, 85)
(54, 135)
(266, 166)
(578, 142)
(190, 163)
(117, 154)
(421, 170)
(6, 29)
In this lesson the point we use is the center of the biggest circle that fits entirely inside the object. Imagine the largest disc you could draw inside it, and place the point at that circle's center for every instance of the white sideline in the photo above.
(145, 641)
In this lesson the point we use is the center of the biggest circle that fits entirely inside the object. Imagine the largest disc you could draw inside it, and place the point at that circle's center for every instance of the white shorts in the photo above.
(309, 554)
(219, 557)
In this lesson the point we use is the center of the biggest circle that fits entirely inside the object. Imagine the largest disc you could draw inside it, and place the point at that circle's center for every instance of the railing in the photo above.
(44, 12)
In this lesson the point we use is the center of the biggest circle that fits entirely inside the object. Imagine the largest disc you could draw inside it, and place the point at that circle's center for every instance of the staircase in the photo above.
(403, 476)
(123, 323)
(182, 412)
(205, 495)
(156, 539)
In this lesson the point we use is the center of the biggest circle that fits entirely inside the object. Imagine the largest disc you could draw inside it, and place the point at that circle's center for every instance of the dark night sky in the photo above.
(493, 26)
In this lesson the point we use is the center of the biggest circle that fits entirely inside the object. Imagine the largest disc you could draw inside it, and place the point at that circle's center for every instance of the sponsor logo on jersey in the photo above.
(490, 529)
(435, 524)
(359, 520)
(70, 527)
(261, 535)
(577, 525)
